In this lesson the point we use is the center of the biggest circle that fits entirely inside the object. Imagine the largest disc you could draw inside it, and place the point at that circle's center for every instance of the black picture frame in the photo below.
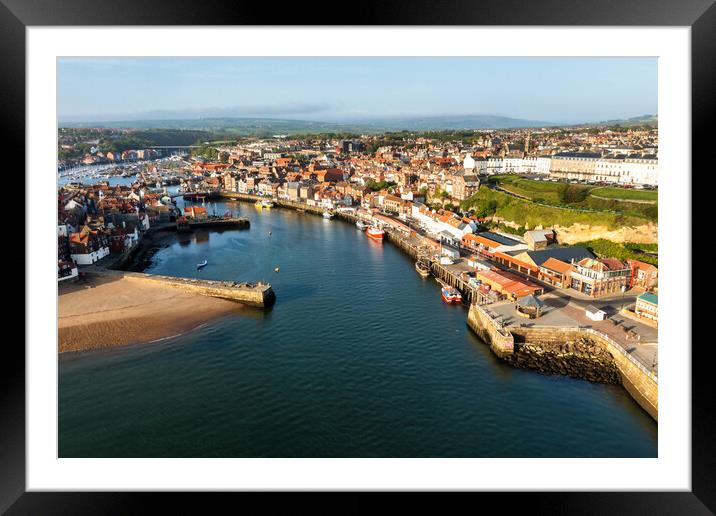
(16, 15)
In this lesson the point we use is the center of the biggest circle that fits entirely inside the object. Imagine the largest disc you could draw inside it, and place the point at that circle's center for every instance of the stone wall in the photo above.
(258, 295)
(577, 352)
(587, 354)
(501, 342)
(563, 351)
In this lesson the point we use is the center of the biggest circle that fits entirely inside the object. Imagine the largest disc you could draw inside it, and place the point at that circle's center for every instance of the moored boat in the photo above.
(451, 295)
(362, 225)
(423, 269)
(202, 264)
(375, 233)
(328, 215)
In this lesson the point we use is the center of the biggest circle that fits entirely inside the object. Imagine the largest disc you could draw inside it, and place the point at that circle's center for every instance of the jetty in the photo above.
(259, 294)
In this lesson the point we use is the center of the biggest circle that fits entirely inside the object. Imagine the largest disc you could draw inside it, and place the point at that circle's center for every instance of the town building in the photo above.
(599, 277)
(643, 275)
(88, 246)
(579, 166)
(464, 186)
(647, 306)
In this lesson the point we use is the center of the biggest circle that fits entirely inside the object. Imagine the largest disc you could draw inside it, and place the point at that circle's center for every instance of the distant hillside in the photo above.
(271, 126)
(635, 120)
(237, 126)
(440, 123)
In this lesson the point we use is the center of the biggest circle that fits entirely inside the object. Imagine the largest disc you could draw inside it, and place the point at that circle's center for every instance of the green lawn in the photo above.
(582, 197)
(488, 202)
(626, 193)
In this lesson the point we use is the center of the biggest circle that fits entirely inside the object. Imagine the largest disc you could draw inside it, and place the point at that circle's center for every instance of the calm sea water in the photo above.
(359, 357)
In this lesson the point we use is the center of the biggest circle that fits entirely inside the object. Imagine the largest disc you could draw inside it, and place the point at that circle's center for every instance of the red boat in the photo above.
(375, 233)
(451, 295)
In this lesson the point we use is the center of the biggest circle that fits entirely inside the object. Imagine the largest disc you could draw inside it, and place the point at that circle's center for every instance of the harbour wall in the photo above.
(501, 342)
(578, 352)
(260, 295)
(222, 223)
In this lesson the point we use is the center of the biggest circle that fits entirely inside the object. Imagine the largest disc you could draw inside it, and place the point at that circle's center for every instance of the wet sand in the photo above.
(99, 312)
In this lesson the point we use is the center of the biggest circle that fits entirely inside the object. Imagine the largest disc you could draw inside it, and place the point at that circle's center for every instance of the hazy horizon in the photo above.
(358, 90)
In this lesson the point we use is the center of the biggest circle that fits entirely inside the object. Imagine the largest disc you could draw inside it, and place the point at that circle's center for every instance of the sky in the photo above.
(568, 90)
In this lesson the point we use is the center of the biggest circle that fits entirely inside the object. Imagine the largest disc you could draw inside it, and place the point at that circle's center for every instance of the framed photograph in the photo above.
(419, 252)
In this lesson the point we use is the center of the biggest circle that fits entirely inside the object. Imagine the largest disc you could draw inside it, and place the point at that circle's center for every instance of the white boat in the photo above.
(328, 215)
(202, 264)
(362, 225)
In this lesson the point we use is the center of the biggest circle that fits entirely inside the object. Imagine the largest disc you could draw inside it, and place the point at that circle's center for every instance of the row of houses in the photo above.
(97, 220)
(573, 267)
(619, 169)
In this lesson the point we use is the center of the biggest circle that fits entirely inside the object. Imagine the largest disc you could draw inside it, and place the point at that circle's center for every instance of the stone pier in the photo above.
(579, 352)
(259, 295)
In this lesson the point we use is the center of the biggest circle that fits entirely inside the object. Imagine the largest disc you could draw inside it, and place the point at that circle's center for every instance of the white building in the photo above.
(90, 257)
(468, 163)
(630, 170)
(495, 166)
(536, 165)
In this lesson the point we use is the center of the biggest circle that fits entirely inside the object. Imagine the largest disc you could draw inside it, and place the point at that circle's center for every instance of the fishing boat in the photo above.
(328, 215)
(375, 233)
(423, 269)
(201, 265)
(266, 204)
(451, 295)
(362, 225)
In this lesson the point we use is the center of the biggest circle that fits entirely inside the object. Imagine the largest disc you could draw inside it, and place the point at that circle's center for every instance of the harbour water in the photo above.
(359, 357)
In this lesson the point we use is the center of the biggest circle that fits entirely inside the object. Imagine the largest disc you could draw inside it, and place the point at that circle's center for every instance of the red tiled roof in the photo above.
(557, 265)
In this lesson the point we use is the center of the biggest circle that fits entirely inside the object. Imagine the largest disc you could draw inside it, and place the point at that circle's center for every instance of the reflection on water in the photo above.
(358, 358)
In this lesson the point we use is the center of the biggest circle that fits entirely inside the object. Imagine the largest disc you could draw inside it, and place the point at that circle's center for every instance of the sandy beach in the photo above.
(99, 312)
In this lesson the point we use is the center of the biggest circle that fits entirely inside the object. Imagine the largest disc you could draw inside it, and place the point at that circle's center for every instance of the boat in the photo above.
(423, 269)
(201, 265)
(362, 225)
(375, 233)
(451, 295)
(277, 269)
(266, 204)
(328, 215)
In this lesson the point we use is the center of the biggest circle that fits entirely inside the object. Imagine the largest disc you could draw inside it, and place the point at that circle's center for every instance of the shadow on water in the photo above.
(287, 292)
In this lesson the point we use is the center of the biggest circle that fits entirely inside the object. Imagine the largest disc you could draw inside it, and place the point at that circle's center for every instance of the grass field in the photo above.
(625, 193)
(610, 200)
(488, 202)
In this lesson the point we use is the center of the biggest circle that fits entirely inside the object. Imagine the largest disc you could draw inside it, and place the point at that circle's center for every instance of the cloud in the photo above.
(247, 110)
